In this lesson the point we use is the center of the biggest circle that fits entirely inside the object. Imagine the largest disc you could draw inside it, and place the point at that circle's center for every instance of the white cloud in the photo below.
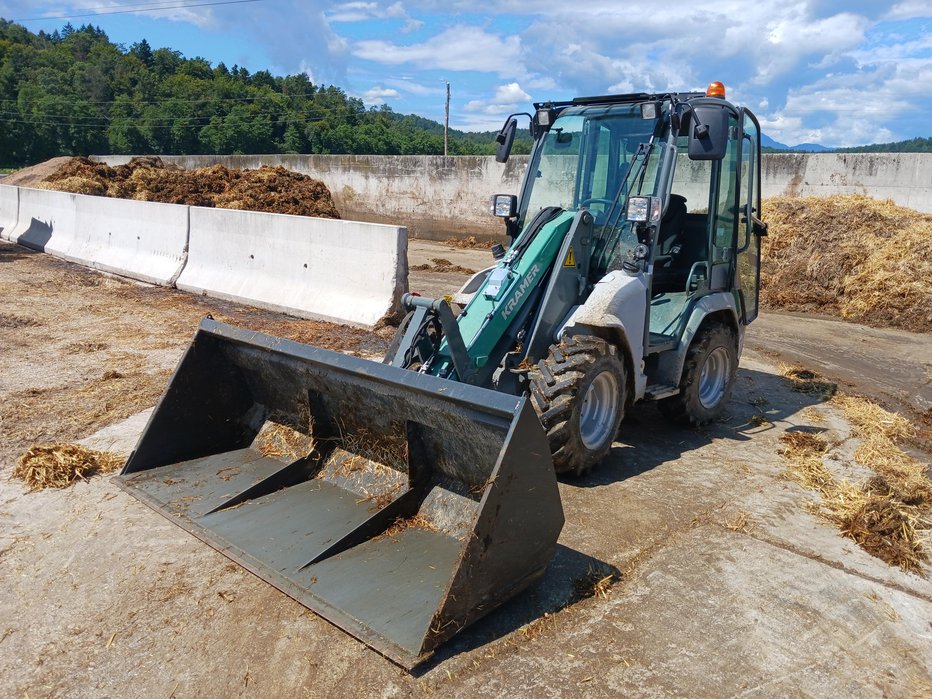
(507, 99)
(511, 94)
(362, 11)
(461, 47)
(910, 9)
(378, 95)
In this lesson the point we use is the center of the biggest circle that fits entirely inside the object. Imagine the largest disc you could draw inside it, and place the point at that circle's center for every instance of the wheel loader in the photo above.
(404, 500)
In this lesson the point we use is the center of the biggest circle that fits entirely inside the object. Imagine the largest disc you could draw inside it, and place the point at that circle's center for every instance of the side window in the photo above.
(747, 279)
(726, 218)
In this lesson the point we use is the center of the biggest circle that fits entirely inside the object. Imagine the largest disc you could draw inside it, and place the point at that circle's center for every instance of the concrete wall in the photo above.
(437, 197)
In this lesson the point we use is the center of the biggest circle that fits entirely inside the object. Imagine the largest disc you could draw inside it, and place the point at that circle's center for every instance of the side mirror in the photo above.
(708, 132)
(505, 139)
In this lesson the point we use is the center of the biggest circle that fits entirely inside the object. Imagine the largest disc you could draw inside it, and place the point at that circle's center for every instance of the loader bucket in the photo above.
(399, 506)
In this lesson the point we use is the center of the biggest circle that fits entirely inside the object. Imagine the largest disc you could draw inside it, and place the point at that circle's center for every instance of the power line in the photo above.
(138, 8)
(193, 99)
(177, 123)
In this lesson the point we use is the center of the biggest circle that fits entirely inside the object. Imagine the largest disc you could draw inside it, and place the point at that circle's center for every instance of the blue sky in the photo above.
(834, 72)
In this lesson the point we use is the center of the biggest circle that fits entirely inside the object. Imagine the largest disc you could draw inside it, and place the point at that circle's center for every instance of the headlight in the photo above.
(503, 205)
(643, 209)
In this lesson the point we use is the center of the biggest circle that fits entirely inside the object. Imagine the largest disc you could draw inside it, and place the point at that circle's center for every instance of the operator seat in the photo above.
(669, 245)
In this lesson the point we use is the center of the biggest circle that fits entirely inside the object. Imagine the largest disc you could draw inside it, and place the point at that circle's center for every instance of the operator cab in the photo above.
(695, 157)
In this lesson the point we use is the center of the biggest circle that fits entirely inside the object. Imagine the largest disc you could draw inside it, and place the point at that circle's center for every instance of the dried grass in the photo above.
(469, 242)
(73, 410)
(807, 381)
(60, 465)
(401, 524)
(888, 514)
(280, 441)
(441, 264)
(852, 256)
(597, 582)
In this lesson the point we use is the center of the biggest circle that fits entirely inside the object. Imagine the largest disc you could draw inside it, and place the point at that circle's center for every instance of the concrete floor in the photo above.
(726, 584)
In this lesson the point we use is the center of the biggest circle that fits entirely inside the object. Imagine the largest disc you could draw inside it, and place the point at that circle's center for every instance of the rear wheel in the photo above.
(578, 391)
(708, 377)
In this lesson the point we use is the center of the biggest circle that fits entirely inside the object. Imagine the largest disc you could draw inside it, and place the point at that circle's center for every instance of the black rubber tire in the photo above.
(558, 385)
(686, 408)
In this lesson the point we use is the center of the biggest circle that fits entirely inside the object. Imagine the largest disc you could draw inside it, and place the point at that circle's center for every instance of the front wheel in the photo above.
(578, 391)
(708, 377)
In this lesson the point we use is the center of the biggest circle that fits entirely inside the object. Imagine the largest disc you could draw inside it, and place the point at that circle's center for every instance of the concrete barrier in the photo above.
(9, 210)
(44, 214)
(340, 271)
(142, 240)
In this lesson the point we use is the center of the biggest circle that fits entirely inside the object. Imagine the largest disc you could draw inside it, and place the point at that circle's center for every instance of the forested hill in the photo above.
(75, 92)
(913, 145)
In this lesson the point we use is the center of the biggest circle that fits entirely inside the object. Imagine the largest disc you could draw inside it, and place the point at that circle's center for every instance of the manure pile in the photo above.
(269, 189)
(863, 259)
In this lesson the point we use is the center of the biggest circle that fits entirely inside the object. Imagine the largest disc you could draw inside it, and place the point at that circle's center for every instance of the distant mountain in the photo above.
(912, 145)
(811, 148)
(768, 143)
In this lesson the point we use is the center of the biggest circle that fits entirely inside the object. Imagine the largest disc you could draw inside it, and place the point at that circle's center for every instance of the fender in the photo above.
(615, 311)
(671, 363)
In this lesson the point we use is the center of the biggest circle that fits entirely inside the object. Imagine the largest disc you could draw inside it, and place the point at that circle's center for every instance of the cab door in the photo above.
(750, 227)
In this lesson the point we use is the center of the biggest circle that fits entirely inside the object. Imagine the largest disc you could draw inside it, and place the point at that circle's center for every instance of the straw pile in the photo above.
(851, 256)
(441, 264)
(60, 465)
(888, 515)
(270, 189)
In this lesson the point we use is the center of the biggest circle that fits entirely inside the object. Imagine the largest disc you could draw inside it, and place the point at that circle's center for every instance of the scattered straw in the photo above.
(280, 441)
(597, 582)
(888, 514)
(60, 465)
(740, 522)
(401, 524)
(808, 382)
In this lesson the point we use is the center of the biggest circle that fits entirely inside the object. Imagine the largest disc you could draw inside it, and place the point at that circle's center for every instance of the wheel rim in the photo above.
(598, 411)
(713, 379)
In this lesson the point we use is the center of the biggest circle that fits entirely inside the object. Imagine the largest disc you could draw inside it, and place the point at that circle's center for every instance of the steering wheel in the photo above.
(598, 200)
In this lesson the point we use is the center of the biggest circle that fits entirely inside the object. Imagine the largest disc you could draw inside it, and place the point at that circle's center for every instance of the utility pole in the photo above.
(446, 125)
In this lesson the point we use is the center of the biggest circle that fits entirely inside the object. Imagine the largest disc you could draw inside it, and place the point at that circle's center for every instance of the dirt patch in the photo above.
(440, 264)
(269, 189)
(850, 256)
(107, 347)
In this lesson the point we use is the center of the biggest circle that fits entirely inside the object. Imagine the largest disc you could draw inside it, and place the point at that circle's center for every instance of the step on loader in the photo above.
(404, 500)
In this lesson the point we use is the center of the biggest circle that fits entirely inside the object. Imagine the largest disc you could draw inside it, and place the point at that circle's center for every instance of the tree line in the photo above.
(74, 92)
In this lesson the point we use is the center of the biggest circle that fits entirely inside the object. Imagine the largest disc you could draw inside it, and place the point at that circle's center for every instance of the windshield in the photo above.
(585, 161)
